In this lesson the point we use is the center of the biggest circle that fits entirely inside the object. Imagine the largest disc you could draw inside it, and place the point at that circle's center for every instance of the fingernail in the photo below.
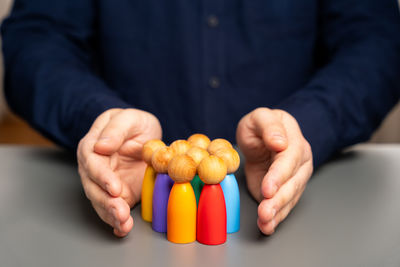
(278, 136)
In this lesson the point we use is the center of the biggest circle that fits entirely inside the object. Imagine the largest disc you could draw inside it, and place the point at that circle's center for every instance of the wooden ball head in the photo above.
(218, 144)
(212, 170)
(197, 154)
(182, 168)
(161, 158)
(230, 157)
(180, 146)
(149, 148)
(199, 140)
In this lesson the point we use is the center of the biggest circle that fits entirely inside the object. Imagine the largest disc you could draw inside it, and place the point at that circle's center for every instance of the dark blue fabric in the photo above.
(334, 64)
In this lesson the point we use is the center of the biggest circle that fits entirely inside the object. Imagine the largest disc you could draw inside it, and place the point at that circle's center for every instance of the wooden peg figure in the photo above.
(197, 154)
(211, 213)
(199, 140)
(162, 188)
(180, 146)
(218, 144)
(149, 178)
(230, 188)
(182, 208)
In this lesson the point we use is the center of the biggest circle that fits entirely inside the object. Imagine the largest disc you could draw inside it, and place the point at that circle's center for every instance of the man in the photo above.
(289, 77)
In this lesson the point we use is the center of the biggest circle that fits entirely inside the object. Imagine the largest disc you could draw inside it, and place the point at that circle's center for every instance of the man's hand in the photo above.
(278, 163)
(111, 166)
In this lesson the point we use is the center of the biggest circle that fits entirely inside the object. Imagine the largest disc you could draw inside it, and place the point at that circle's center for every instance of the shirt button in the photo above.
(212, 21)
(214, 82)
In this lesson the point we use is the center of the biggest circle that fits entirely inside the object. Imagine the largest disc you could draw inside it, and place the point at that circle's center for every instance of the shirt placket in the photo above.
(212, 56)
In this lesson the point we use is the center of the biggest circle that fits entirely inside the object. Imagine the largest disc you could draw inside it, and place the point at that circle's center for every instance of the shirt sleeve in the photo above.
(50, 77)
(358, 80)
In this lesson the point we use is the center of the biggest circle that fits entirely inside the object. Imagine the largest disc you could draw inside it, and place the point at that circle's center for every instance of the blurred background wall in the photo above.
(4, 9)
(16, 131)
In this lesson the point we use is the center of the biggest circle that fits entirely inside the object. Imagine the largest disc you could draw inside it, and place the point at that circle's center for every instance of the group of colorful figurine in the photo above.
(189, 189)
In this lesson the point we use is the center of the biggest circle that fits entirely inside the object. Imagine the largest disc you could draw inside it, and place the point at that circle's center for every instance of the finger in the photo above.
(265, 211)
(86, 145)
(119, 233)
(113, 211)
(268, 125)
(269, 207)
(269, 227)
(99, 171)
(101, 121)
(121, 127)
(124, 228)
(284, 166)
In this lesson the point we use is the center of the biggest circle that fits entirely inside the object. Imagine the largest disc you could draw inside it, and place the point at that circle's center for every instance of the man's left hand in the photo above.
(278, 163)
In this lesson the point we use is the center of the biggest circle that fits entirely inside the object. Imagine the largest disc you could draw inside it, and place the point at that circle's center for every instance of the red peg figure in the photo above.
(197, 154)
(180, 146)
(162, 188)
(211, 213)
(218, 144)
(199, 140)
(182, 208)
(231, 189)
(149, 178)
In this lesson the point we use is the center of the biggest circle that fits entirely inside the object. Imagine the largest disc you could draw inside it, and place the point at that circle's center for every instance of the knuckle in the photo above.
(111, 113)
(80, 151)
(280, 113)
(307, 147)
(259, 113)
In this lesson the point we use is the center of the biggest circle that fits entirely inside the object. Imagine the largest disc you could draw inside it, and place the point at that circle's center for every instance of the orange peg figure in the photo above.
(149, 178)
(211, 213)
(182, 209)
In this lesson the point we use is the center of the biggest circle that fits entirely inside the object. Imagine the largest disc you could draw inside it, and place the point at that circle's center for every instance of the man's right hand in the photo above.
(111, 166)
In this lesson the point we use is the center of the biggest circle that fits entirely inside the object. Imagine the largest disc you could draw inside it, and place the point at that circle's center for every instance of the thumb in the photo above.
(121, 127)
(269, 126)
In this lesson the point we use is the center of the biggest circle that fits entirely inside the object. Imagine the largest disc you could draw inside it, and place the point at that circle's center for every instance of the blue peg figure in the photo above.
(230, 188)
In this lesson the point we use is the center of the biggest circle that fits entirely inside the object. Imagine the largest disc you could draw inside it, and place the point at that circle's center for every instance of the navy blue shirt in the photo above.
(200, 65)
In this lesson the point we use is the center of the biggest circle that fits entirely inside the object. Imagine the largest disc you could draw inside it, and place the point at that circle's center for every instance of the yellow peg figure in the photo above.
(182, 209)
(149, 178)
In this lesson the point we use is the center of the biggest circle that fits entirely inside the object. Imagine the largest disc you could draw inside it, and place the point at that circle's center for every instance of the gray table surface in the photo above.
(349, 215)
